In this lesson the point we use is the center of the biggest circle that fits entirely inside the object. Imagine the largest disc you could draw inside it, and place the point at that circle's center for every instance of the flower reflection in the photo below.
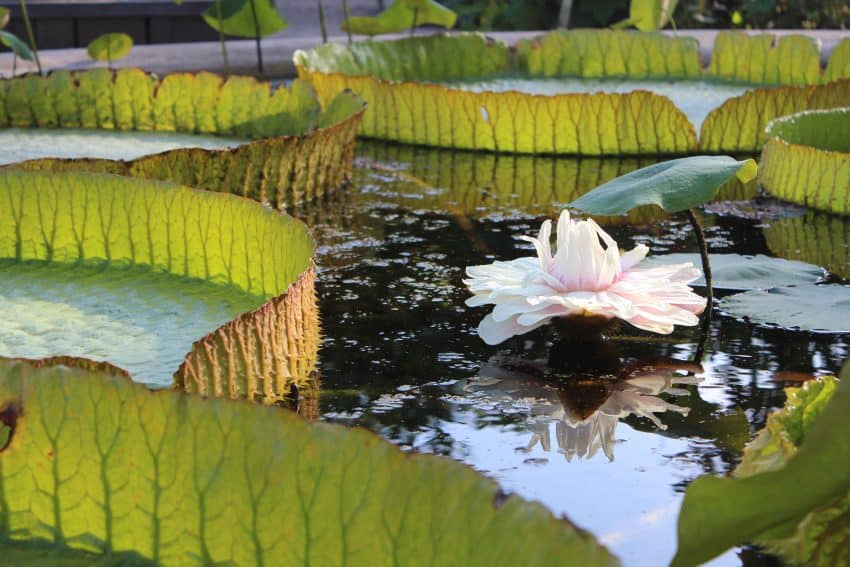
(586, 409)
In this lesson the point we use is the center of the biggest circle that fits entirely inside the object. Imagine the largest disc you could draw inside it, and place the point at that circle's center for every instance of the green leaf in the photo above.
(809, 307)
(674, 185)
(806, 159)
(109, 221)
(738, 273)
(651, 15)
(400, 16)
(839, 62)
(4, 16)
(719, 513)
(99, 464)
(763, 59)
(245, 18)
(20, 48)
(110, 47)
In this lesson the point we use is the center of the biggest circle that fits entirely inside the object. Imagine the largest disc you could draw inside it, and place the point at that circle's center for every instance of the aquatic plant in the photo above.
(110, 47)
(253, 19)
(400, 16)
(582, 281)
(10, 40)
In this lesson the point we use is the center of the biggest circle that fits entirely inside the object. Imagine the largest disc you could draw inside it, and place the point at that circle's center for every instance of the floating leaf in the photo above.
(102, 465)
(839, 62)
(114, 221)
(735, 272)
(817, 238)
(816, 308)
(806, 159)
(291, 162)
(651, 15)
(402, 15)
(18, 47)
(738, 125)
(765, 60)
(110, 47)
(428, 114)
(782, 496)
(674, 185)
(244, 18)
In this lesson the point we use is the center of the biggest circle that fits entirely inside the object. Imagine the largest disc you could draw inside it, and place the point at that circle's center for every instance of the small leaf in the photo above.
(816, 308)
(674, 185)
(740, 273)
(401, 16)
(651, 15)
(20, 48)
(110, 47)
(4, 17)
(237, 18)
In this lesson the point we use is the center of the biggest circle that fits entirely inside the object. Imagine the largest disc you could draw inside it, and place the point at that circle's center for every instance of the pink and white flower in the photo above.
(586, 277)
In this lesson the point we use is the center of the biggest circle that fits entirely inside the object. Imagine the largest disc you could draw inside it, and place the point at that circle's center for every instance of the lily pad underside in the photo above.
(99, 467)
(117, 222)
(298, 150)
(396, 79)
(806, 159)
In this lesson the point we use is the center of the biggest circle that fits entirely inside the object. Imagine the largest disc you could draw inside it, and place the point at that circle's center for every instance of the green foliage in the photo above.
(18, 47)
(110, 47)
(245, 18)
(402, 15)
(651, 15)
(4, 16)
(102, 465)
(788, 495)
(674, 185)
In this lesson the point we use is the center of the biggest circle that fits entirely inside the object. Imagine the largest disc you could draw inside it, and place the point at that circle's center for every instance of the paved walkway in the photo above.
(278, 50)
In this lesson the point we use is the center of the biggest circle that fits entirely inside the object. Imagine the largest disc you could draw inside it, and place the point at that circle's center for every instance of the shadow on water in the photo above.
(401, 354)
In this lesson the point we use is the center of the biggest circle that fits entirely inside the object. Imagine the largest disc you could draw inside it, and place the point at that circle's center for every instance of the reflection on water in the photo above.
(583, 409)
(401, 348)
(817, 238)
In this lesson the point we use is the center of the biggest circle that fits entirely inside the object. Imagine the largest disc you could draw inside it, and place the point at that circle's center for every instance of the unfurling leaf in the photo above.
(17, 46)
(651, 15)
(245, 18)
(401, 16)
(674, 185)
(110, 47)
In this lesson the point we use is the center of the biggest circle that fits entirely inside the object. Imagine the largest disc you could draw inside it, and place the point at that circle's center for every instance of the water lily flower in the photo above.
(586, 277)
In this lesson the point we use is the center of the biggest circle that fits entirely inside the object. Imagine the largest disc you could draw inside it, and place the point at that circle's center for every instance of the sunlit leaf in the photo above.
(817, 308)
(400, 16)
(738, 125)
(17, 46)
(110, 47)
(291, 162)
(764, 59)
(651, 15)
(673, 185)
(783, 496)
(99, 464)
(245, 18)
(839, 62)
(4, 16)
(817, 238)
(735, 272)
(113, 221)
(434, 115)
(806, 159)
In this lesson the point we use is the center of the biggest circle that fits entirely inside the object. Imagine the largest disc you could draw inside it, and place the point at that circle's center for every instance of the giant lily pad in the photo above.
(806, 159)
(107, 221)
(735, 272)
(100, 465)
(296, 153)
(789, 457)
(817, 308)
(765, 59)
(674, 185)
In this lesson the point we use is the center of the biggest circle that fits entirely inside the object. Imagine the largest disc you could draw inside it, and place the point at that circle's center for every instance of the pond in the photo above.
(401, 354)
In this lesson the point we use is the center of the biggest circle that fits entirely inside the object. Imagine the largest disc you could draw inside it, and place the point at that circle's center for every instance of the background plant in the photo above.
(110, 47)
(10, 40)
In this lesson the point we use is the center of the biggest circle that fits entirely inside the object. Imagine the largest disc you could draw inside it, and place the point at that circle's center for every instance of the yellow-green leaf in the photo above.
(765, 60)
(100, 465)
(839, 62)
(400, 16)
(245, 18)
(110, 47)
(806, 159)
(651, 15)
(816, 238)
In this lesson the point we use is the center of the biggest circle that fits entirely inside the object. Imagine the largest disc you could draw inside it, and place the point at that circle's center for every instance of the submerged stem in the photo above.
(31, 35)
(709, 290)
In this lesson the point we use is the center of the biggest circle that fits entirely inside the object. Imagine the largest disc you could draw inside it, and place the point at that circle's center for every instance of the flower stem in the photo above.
(257, 38)
(31, 35)
(221, 36)
(323, 22)
(709, 290)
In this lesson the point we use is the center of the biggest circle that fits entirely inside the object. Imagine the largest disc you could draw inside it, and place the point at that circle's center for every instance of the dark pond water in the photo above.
(401, 354)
